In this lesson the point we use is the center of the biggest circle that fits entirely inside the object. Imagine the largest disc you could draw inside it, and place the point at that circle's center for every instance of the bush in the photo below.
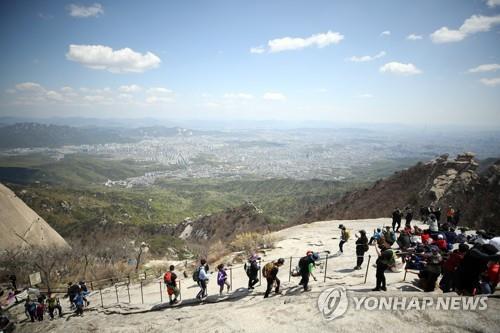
(252, 241)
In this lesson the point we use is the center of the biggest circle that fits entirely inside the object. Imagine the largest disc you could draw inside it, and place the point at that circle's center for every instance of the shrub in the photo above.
(252, 241)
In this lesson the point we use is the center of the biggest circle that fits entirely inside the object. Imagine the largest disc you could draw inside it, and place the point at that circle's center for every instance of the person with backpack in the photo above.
(389, 236)
(361, 248)
(53, 304)
(270, 272)
(79, 301)
(306, 266)
(169, 278)
(396, 219)
(222, 279)
(385, 260)
(449, 280)
(73, 290)
(252, 269)
(344, 237)
(408, 215)
(202, 279)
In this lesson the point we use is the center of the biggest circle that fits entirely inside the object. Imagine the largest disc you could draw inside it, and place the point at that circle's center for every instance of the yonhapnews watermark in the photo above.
(334, 303)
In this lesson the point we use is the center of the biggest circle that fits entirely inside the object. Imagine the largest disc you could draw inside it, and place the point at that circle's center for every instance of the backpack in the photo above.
(303, 262)
(347, 235)
(196, 274)
(266, 270)
(365, 247)
(248, 268)
(167, 278)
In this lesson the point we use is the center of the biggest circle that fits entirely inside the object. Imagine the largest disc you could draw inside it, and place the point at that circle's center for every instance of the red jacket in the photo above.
(442, 244)
(453, 261)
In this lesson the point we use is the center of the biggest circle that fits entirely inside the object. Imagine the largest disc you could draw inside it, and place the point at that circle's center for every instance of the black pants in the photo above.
(270, 283)
(252, 281)
(203, 291)
(394, 224)
(380, 275)
(341, 246)
(360, 259)
(51, 311)
(304, 281)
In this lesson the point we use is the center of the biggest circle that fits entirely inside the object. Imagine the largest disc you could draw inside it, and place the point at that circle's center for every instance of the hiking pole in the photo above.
(161, 295)
(116, 291)
(230, 278)
(142, 295)
(326, 267)
(128, 292)
(100, 292)
(290, 271)
(180, 290)
(260, 274)
(367, 267)
(91, 286)
(145, 275)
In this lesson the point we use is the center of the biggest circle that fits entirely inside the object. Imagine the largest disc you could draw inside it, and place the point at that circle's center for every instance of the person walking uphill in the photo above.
(202, 279)
(344, 237)
(306, 266)
(222, 279)
(361, 248)
(252, 269)
(270, 272)
(169, 278)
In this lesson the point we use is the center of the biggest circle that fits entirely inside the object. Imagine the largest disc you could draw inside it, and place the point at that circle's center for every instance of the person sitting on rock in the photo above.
(377, 234)
(432, 270)
(389, 236)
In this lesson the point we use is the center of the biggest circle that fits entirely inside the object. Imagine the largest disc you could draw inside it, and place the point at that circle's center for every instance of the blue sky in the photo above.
(341, 61)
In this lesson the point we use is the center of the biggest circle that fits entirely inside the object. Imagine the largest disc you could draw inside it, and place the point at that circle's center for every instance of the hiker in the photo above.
(433, 224)
(169, 278)
(404, 240)
(202, 279)
(437, 214)
(408, 215)
(377, 234)
(450, 214)
(30, 309)
(222, 279)
(40, 309)
(270, 272)
(432, 269)
(53, 303)
(490, 278)
(85, 292)
(441, 243)
(252, 269)
(361, 248)
(456, 217)
(424, 213)
(344, 237)
(449, 280)
(396, 219)
(78, 300)
(306, 266)
(473, 265)
(73, 290)
(389, 236)
(385, 260)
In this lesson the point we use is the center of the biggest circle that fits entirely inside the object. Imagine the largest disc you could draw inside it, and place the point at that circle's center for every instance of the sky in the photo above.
(402, 61)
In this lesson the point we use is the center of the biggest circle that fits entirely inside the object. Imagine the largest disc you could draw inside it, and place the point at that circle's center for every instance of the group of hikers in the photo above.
(36, 308)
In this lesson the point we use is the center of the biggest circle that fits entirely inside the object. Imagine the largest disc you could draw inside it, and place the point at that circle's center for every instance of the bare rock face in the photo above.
(21, 227)
(440, 182)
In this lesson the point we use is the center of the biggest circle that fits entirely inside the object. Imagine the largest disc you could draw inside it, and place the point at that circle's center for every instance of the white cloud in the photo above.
(105, 58)
(472, 25)
(45, 16)
(491, 82)
(159, 90)
(414, 37)
(367, 57)
(133, 88)
(385, 33)
(493, 3)
(85, 11)
(296, 43)
(400, 68)
(365, 96)
(274, 96)
(26, 86)
(244, 96)
(258, 49)
(485, 68)
(159, 99)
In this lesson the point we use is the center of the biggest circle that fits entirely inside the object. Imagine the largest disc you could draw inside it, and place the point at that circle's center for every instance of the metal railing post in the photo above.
(116, 291)
(161, 295)
(100, 292)
(128, 292)
(367, 268)
(231, 278)
(290, 270)
(142, 295)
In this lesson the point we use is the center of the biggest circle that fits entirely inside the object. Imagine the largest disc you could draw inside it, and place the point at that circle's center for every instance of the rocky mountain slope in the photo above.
(21, 227)
(441, 182)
